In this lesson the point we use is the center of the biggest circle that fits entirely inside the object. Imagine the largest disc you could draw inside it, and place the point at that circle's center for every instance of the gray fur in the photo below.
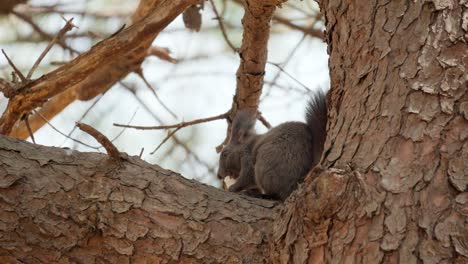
(278, 160)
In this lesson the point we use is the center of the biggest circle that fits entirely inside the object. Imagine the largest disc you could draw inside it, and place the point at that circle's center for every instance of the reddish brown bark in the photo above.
(7, 5)
(60, 205)
(253, 54)
(398, 117)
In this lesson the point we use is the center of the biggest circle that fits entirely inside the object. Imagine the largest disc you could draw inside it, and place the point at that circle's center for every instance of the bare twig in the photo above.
(221, 26)
(56, 9)
(17, 72)
(82, 117)
(161, 53)
(88, 74)
(68, 26)
(112, 151)
(41, 32)
(179, 125)
(169, 135)
(284, 87)
(176, 140)
(310, 30)
(262, 119)
(151, 88)
(63, 134)
(288, 59)
(129, 121)
(289, 75)
(31, 134)
(167, 154)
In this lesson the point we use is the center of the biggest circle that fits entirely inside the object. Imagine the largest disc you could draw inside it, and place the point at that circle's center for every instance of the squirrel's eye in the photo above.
(223, 154)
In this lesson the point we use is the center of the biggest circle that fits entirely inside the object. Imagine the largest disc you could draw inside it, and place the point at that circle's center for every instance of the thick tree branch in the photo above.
(66, 205)
(253, 57)
(253, 54)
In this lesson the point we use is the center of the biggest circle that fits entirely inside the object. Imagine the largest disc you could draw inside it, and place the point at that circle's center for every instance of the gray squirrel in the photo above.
(275, 162)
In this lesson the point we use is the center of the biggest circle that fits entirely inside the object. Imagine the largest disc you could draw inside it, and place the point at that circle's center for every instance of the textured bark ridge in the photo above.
(59, 205)
(399, 117)
(392, 187)
(253, 53)
(63, 206)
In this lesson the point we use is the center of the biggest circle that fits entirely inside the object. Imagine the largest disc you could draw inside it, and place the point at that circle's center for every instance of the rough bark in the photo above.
(253, 54)
(59, 205)
(398, 116)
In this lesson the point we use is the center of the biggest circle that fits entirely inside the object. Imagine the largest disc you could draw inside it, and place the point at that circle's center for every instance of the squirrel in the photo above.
(275, 162)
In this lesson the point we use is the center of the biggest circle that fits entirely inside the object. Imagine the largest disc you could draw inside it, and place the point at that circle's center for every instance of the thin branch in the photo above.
(151, 88)
(63, 134)
(112, 151)
(289, 75)
(78, 77)
(102, 14)
(31, 134)
(41, 32)
(221, 26)
(68, 26)
(169, 135)
(161, 53)
(262, 119)
(310, 31)
(177, 141)
(82, 117)
(283, 87)
(286, 61)
(179, 125)
(18, 72)
(123, 130)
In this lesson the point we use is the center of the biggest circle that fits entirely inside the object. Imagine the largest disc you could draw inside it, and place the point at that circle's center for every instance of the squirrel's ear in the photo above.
(242, 127)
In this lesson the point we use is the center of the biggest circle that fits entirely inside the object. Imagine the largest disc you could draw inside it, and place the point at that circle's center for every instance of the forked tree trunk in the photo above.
(392, 187)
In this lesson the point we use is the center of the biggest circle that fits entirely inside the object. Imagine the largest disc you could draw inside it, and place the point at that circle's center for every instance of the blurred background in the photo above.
(201, 84)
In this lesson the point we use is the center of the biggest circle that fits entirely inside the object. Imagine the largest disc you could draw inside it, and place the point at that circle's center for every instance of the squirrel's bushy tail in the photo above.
(316, 119)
